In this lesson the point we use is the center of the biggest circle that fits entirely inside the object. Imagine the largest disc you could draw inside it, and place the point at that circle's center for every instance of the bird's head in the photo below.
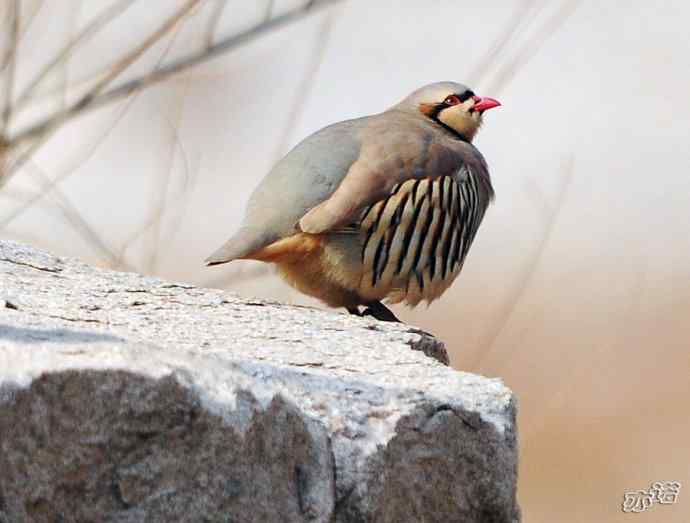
(451, 105)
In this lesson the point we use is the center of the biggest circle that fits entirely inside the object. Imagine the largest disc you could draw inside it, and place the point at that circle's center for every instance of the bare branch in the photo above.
(306, 85)
(79, 82)
(161, 191)
(516, 23)
(269, 10)
(534, 193)
(64, 69)
(12, 194)
(530, 269)
(216, 15)
(91, 29)
(42, 132)
(177, 208)
(90, 151)
(28, 18)
(9, 20)
(160, 202)
(135, 54)
(163, 205)
(10, 62)
(73, 217)
(26, 155)
(533, 45)
(94, 100)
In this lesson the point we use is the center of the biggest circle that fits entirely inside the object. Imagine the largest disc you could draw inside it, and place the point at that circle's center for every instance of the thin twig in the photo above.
(30, 17)
(11, 62)
(73, 217)
(531, 266)
(92, 101)
(516, 23)
(64, 69)
(70, 170)
(268, 12)
(13, 194)
(91, 150)
(532, 46)
(214, 18)
(158, 208)
(306, 85)
(80, 82)
(161, 191)
(534, 193)
(63, 55)
(177, 206)
(165, 206)
(42, 132)
(8, 21)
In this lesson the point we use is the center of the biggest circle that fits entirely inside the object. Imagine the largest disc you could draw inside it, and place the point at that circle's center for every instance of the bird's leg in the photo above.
(354, 311)
(379, 311)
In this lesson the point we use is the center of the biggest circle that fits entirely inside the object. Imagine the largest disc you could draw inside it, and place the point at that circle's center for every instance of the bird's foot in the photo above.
(379, 311)
(376, 309)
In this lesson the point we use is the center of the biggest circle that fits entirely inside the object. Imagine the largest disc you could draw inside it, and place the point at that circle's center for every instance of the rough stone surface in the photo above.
(131, 399)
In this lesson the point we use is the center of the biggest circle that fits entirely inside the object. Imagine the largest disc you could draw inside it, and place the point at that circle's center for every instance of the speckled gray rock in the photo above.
(128, 399)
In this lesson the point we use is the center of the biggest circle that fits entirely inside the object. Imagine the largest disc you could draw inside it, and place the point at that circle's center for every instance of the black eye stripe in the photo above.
(466, 95)
(463, 97)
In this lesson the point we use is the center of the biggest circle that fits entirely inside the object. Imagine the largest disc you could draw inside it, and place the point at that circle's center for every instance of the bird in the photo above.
(378, 208)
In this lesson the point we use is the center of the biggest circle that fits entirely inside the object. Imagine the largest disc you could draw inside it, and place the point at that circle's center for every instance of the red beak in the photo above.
(482, 103)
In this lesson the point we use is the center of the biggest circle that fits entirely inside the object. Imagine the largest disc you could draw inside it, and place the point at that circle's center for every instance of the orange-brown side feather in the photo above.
(290, 249)
(314, 265)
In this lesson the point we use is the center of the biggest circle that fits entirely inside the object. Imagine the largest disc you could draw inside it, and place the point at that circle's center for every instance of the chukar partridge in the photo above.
(383, 207)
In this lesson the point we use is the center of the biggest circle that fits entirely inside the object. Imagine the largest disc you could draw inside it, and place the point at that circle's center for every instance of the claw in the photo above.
(379, 311)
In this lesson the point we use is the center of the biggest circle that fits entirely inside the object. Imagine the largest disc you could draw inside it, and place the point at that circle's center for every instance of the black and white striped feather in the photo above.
(415, 241)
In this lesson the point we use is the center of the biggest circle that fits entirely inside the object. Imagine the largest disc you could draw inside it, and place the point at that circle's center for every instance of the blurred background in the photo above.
(577, 290)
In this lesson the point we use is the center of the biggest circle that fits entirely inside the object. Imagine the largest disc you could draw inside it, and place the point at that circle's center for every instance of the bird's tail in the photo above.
(243, 243)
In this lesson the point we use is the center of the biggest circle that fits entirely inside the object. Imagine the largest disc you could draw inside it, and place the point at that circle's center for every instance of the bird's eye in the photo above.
(452, 100)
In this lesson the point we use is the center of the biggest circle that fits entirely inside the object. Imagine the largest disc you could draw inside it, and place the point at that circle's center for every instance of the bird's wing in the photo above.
(389, 158)
(305, 177)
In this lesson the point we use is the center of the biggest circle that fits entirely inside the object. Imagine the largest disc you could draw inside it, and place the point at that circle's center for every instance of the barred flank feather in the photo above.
(415, 241)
